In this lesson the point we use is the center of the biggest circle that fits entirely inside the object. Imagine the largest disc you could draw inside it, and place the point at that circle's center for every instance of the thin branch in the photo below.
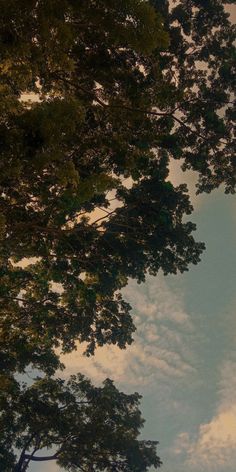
(41, 458)
(138, 110)
(22, 456)
(103, 217)
(28, 459)
(105, 211)
(24, 300)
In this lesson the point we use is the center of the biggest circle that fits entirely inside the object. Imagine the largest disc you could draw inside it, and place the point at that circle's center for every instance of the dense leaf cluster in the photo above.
(86, 427)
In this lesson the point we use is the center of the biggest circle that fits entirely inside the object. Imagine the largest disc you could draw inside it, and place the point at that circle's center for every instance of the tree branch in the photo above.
(22, 456)
(138, 110)
(42, 458)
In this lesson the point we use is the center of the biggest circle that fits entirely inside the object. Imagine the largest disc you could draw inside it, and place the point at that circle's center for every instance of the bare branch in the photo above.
(41, 458)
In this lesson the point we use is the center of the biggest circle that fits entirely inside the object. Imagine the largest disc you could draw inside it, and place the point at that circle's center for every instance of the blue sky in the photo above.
(183, 359)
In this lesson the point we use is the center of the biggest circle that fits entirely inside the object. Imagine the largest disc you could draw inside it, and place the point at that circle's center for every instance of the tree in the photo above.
(90, 309)
(121, 90)
(62, 158)
(81, 427)
(198, 70)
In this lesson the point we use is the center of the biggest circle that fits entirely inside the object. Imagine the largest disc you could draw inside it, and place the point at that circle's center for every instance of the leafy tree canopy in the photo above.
(122, 87)
(97, 97)
(81, 427)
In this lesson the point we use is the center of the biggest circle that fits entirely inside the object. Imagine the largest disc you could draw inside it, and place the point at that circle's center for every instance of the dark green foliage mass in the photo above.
(97, 72)
(199, 68)
(79, 426)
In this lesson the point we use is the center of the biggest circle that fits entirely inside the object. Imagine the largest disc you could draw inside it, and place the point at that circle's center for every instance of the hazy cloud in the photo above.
(161, 348)
(213, 448)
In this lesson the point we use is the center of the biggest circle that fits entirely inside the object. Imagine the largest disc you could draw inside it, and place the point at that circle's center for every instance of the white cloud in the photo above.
(214, 447)
(160, 350)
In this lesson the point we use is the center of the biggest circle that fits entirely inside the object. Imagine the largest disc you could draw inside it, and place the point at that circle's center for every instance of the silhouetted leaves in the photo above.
(80, 426)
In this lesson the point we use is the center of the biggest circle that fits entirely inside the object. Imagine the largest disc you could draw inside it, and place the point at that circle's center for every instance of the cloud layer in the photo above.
(213, 447)
(161, 348)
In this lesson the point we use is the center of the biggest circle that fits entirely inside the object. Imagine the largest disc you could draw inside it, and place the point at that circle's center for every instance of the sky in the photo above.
(183, 359)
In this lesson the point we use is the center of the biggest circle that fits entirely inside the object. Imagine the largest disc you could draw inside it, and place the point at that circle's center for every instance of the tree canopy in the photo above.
(122, 88)
(97, 98)
(86, 427)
